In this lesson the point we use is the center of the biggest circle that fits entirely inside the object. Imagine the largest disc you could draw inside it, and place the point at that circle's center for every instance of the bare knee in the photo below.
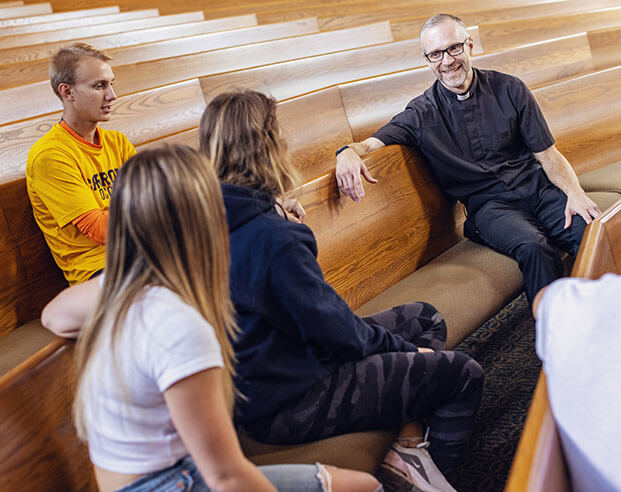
(344, 480)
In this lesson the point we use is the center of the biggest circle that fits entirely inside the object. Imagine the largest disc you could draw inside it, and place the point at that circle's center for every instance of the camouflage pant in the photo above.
(385, 391)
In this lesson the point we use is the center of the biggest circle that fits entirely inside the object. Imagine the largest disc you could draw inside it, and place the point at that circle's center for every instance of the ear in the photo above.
(470, 44)
(66, 91)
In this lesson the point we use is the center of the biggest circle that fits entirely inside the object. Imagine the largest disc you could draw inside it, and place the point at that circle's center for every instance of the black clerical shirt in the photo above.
(477, 145)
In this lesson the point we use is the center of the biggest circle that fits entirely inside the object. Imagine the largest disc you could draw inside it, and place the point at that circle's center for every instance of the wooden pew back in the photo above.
(139, 36)
(507, 34)
(25, 10)
(605, 47)
(582, 119)
(110, 28)
(403, 222)
(58, 16)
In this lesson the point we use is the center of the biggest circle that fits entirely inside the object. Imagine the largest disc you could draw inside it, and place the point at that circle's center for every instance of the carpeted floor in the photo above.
(505, 348)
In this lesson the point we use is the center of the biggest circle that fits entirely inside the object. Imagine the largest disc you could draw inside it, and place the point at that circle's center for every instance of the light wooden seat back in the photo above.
(606, 47)
(143, 117)
(58, 16)
(109, 28)
(297, 77)
(403, 222)
(581, 115)
(503, 35)
(75, 22)
(25, 10)
(111, 41)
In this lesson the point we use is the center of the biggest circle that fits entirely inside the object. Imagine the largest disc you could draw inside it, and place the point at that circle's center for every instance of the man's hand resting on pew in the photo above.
(349, 167)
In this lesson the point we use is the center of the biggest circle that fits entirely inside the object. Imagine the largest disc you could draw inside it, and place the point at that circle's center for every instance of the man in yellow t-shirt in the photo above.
(71, 169)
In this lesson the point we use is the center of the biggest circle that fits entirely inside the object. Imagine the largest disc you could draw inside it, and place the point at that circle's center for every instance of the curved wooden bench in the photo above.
(25, 10)
(72, 14)
(140, 36)
(606, 47)
(80, 32)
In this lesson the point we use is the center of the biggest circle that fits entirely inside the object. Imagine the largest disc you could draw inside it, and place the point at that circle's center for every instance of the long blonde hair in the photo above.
(167, 227)
(240, 134)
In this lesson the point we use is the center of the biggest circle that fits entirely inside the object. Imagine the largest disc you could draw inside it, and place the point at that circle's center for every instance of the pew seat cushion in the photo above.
(18, 345)
(604, 179)
(357, 450)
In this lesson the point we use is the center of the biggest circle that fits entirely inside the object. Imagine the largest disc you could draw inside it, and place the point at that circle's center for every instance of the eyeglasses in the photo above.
(453, 50)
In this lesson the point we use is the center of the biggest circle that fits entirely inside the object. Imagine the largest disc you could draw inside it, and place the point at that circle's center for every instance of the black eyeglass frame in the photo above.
(447, 50)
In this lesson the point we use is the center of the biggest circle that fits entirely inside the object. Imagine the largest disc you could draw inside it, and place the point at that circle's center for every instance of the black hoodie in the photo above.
(295, 329)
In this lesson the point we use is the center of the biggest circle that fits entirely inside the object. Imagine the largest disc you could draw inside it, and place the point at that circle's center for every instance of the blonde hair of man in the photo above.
(64, 63)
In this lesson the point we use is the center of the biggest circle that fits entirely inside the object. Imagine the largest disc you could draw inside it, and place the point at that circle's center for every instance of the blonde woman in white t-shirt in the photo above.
(154, 357)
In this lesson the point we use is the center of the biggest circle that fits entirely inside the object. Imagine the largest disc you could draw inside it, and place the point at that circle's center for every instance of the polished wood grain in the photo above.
(137, 76)
(211, 41)
(581, 115)
(406, 24)
(403, 222)
(606, 47)
(313, 137)
(503, 35)
(144, 116)
(25, 10)
(72, 14)
(29, 276)
(16, 3)
(371, 103)
(109, 28)
(76, 22)
(40, 450)
(109, 41)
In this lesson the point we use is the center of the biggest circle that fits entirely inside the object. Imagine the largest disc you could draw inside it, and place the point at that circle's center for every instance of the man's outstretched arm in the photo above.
(560, 172)
(349, 167)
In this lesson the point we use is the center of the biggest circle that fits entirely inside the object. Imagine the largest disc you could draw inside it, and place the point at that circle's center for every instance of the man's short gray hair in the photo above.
(438, 19)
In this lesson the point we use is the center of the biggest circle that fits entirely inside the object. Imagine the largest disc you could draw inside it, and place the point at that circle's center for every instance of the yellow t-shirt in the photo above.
(67, 176)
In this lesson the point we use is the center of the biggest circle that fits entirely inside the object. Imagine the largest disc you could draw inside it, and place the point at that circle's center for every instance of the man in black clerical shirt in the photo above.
(488, 144)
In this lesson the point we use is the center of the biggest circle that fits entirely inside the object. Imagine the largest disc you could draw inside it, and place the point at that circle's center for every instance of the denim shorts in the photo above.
(184, 476)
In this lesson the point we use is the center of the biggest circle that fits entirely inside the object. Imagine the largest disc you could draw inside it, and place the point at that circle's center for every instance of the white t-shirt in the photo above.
(578, 340)
(129, 427)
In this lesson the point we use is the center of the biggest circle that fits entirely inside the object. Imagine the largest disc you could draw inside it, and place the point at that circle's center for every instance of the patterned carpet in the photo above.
(505, 348)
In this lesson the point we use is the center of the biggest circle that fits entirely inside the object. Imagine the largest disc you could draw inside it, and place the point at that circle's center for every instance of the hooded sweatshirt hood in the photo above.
(244, 204)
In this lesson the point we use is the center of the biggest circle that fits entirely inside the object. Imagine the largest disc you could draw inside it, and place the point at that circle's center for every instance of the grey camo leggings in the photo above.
(443, 389)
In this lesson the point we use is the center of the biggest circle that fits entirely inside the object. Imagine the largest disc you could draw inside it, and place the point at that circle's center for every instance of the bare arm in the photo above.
(68, 311)
(349, 167)
(560, 172)
(198, 410)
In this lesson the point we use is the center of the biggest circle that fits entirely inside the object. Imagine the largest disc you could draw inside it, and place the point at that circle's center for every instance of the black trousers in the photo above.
(527, 225)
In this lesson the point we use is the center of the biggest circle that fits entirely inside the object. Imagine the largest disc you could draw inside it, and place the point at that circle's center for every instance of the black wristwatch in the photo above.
(341, 149)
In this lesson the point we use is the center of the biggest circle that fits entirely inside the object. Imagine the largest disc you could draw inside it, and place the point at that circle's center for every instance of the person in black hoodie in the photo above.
(308, 366)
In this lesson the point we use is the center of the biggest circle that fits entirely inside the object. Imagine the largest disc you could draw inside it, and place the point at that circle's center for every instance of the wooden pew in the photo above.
(582, 116)
(25, 10)
(538, 465)
(72, 14)
(406, 24)
(503, 35)
(15, 3)
(76, 22)
(110, 28)
(371, 103)
(137, 76)
(143, 116)
(140, 36)
(211, 41)
(605, 47)
(296, 77)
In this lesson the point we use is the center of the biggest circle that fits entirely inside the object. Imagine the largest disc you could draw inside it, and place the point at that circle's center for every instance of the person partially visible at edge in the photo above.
(489, 146)
(71, 169)
(309, 366)
(154, 357)
(578, 335)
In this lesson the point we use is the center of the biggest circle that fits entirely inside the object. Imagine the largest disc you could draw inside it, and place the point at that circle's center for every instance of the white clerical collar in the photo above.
(464, 96)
